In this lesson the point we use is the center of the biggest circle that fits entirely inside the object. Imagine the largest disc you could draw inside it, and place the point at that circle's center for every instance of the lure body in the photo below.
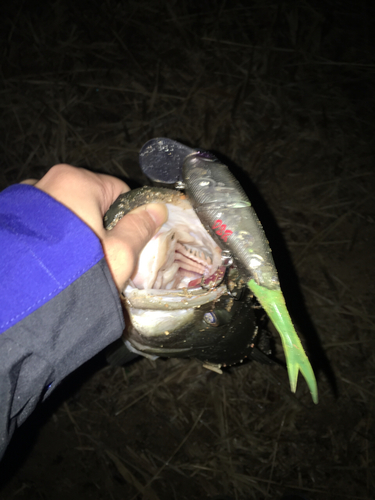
(227, 214)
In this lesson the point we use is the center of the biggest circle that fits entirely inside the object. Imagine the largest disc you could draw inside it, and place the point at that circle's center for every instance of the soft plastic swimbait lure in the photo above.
(226, 212)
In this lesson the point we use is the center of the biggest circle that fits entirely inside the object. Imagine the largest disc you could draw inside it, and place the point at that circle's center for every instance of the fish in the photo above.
(185, 297)
(228, 219)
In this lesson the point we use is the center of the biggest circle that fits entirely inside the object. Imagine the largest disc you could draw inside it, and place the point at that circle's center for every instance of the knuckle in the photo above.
(61, 169)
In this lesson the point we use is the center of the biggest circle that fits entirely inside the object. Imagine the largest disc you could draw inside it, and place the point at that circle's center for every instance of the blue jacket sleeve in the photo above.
(59, 305)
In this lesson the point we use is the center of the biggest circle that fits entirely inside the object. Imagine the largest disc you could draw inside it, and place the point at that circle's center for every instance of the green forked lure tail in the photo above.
(273, 303)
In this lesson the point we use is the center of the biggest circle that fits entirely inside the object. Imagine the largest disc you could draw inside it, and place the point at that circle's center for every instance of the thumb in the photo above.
(123, 245)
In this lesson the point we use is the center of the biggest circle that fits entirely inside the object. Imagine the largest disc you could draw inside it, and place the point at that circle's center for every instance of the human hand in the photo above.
(89, 196)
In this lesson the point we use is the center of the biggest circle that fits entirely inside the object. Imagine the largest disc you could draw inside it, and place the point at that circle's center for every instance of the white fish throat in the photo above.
(181, 255)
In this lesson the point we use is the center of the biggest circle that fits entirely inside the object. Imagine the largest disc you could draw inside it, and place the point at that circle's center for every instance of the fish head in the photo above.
(177, 302)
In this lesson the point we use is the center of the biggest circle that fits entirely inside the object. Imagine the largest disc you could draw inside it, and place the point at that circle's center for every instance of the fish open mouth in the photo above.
(181, 255)
(179, 272)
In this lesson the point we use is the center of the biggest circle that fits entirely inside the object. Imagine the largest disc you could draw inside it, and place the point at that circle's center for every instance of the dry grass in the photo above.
(285, 91)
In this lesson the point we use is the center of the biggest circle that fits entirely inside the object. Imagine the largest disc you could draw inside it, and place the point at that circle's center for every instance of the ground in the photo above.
(284, 93)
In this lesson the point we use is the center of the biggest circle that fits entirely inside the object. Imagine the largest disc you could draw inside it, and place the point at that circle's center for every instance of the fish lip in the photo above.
(160, 299)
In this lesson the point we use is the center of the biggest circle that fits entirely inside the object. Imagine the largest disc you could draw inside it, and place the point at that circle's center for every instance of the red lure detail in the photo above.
(221, 230)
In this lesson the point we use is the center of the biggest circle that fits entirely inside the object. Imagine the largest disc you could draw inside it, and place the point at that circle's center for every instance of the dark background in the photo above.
(284, 90)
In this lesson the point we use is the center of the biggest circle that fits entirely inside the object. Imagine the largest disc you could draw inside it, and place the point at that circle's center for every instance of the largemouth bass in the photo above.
(186, 298)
